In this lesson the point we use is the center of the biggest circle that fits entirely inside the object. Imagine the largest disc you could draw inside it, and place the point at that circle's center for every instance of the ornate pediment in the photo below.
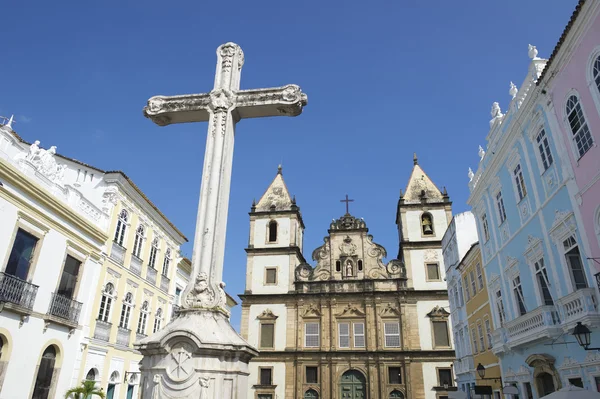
(347, 248)
(512, 266)
(438, 312)
(351, 311)
(564, 225)
(267, 314)
(311, 311)
(347, 222)
(534, 250)
(389, 311)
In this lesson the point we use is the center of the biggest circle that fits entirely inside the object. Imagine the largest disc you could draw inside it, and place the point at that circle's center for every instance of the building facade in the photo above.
(535, 252)
(351, 326)
(457, 241)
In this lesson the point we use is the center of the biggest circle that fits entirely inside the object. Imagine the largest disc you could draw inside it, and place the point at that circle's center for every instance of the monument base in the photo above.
(197, 355)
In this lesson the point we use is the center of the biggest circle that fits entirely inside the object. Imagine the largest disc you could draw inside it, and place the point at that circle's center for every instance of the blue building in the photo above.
(540, 282)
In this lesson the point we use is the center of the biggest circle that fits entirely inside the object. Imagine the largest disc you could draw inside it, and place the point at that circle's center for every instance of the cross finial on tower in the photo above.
(415, 159)
(347, 201)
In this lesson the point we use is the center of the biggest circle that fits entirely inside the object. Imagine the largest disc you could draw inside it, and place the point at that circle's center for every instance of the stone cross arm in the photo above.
(286, 101)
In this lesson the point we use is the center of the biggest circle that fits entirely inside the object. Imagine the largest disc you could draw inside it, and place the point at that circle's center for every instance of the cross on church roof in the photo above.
(347, 201)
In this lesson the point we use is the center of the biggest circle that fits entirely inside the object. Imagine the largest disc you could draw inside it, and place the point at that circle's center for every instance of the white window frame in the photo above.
(541, 270)
(359, 335)
(517, 289)
(475, 348)
(486, 227)
(572, 135)
(473, 283)
(312, 335)
(143, 320)
(347, 335)
(500, 309)
(153, 252)
(157, 320)
(543, 149)
(500, 206)
(108, 297)
(391, 335)
(126, 311)
(488, 331)
(479, 272)
(166, 262)
(481, 337)
(121, 229)
(519, 183)
(138, 241)
(594, 89)
(566, 249)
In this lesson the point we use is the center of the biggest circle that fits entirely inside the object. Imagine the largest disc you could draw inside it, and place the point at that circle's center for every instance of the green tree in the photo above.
(87, 390)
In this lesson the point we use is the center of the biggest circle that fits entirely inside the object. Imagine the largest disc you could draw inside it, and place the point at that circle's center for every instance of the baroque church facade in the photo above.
(349, 325)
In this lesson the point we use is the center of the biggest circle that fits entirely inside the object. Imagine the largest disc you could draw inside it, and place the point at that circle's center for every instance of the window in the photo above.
(139, 239)
(394, 375)
(468, 294)
(444, 377)
(579, 127)
(272, 231)
(153, 251)
(21, 255)
(520, 182)
(91, 375)
(576, 382)
(544, 149)
(166, 262)
(488, 332)
(157, 320)
(360, 265)
(126, 310)
(481, 338)
(271, 275)
(312, 375)
(344, 335)
(68, 279)
(519, 299)
(479, 276)
(597, 382)
(266, 376)
(391, 332)
(456, 300)
(433, 271)
(486, 229)
(267, 335)
(43, 380)
(106, 302)
(541, 275)
(338, 266)
(528, 391)
(427, 224)
(473, 283)
(440, 334)
(359, 335)
(574, 262)
(121, 227)
(141, 329)
(500, 307)
(596, 72)
(500, 204)
(311, 335)
(311, 394)
(474, 338)
(460, 293)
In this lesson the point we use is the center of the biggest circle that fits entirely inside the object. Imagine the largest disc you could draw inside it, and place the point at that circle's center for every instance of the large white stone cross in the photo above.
(223, 107)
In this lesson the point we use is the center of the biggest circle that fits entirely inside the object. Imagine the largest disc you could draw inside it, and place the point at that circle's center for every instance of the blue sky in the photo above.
(383, 78)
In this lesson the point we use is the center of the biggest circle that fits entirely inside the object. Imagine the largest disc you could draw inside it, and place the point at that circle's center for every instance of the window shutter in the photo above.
(440, 334)
(359, 335)
(267, 335)
(344, 334)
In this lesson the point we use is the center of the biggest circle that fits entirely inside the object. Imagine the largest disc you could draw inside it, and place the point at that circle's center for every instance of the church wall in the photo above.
(425, 331)
(430, 377)
(260, 237)
(278, 310)
(279, 378)
(413, 224)
(419, 277)
(259, 265)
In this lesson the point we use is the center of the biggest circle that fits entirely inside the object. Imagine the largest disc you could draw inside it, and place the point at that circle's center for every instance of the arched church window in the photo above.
(43, 380)
(121, 227)
(91, 375)
(311, 394)
(579, 128)
(596, 72)
(338, 266)
(153, 252)
(126, 310)
(360, 266)
(139, 239)
(141, 329)
(427, 224)
(106, 302)
(272, 231)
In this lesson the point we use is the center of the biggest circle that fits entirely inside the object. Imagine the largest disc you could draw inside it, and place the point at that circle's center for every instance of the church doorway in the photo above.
(545, 384)
(353, 385)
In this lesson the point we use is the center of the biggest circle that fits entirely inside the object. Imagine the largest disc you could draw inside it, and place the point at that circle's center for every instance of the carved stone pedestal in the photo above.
(197, 355)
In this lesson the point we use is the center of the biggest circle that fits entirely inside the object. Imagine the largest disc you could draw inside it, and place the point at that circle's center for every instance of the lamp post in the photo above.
(583, 335)
(481, 372)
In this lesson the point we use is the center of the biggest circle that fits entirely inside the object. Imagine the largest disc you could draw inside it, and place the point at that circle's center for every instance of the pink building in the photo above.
(571, 81)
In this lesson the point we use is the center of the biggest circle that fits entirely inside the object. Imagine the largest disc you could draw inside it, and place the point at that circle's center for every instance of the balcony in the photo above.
(464, 365)
(102, 331)
(580, 305)
(117, 253)
(151, 275)
(17, 294)
(164, 283)
(540, 323)
(64, 310)
(123, 336)
(135, 265)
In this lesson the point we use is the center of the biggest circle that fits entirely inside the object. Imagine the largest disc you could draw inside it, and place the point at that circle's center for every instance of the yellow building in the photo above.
(479, 319)
(135, 289)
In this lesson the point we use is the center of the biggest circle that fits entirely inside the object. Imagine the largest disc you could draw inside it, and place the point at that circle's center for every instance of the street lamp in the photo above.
(481, 371)
(583, 336)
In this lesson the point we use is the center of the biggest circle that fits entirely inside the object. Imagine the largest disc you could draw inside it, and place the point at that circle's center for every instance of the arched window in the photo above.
(139, 239)
(596, 72)
(91, 375)
(311, 394)
(395, 394)
(126, 310)
(167, 262)
(153, 252)
(114, 377)
(272, 231)
(579, 127)
(43, 380)
(157, 320)
(427, 224)
(141, 329)
(121, 227)
(106, 302)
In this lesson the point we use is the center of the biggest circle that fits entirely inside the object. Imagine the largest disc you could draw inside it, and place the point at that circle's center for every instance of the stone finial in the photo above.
(415, 161)
(532, 52)
(279, 169)
(513, 90)
(10, 122)
(471, 174)
(481, 153)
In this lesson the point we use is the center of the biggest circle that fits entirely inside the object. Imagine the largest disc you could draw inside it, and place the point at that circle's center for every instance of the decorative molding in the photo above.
(534, 250)
(390, 311)
(267, 314)
(351, 311)
(513, 159)
(311, 311)
(563, 226)
(113, 273)
(132, 283)
(438, 313)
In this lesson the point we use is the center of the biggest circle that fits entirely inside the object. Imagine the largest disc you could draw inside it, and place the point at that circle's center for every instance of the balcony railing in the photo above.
(151, 275)
(136, 265)
(580, 305)
(65, 308)
(123, 336)
(540, 323)
(117, 253)
(164, 283)
(102, 330)
(16, 291)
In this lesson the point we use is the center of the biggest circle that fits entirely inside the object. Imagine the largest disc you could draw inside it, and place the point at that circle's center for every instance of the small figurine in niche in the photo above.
(349, 268)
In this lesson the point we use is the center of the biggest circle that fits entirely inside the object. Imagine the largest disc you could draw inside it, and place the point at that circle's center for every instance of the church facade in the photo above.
(349, 325)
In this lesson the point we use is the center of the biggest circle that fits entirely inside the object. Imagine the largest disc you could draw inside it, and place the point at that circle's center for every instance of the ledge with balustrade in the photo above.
(151, 275)
(17, 295)
(579, 306)
(136, 265)
(164, 283)
(64, 311)
(123, 336)
(102, 330)
(117, 253)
